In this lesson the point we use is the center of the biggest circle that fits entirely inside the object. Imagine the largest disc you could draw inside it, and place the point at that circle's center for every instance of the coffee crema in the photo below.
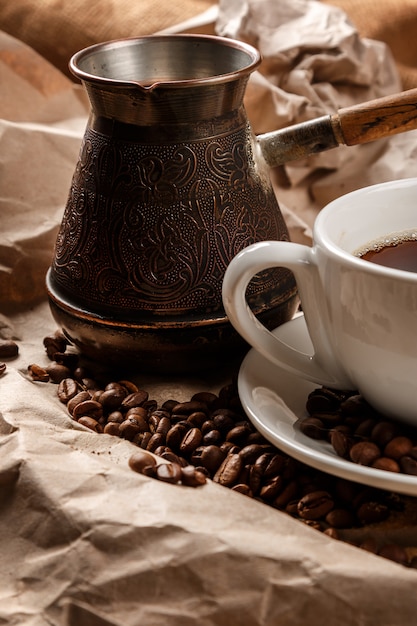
(395, 251)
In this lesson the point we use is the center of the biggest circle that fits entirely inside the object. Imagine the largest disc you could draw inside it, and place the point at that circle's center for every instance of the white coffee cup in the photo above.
(361, 317)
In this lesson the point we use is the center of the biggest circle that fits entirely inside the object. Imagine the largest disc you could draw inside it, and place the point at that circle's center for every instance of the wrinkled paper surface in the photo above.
(84, 540)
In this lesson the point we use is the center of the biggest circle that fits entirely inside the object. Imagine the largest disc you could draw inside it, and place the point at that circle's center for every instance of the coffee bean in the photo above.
(372, 512)
(340, 518)
(88, 407)
(408, 465)
(112, 428)
(67, 389)
(169, 472)
(386, 464)
(364, 452)
(38, 373)
(394, 552)
(90, 423)
(229, 470)
(210, 457)
(312, 427)
(79, 397)
(191, 477)
(398, 447)
(315, 505)
(140, 459)
(57, 372)
(9, 349)
(3, 368)
(191, 440)
(137, 398)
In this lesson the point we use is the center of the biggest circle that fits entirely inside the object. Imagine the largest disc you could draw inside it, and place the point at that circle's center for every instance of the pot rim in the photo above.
(254, 60)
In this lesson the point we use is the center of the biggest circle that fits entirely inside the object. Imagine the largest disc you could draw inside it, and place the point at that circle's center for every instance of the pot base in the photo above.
(160, 348)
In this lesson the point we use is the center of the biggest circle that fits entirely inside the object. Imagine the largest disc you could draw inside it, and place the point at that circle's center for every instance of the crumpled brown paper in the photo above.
(84, 540)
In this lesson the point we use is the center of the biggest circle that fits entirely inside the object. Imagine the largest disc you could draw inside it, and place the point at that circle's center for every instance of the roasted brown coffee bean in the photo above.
(331, 532)
(170, 456)
(129, 428)
(275, 465)
(207, 426)
(111, 399)
(223, 422)
(155, 440)
(322, 400)
(197, 418)
(116, 416)
(398, 447)
(243, 488)
(56, 341)
(229, 470)
(386, 464)
(206, 397)
(394, 552)
(169, 472)
(8, 349)
(364, 452)
(191, 477)
(212, 438)
(340, 518)
(168, 405)
(408, 465)
(192, 406)
(191, 440)
(253, 451)
(270, 490)
(141, 459)
(372, 512)
(255, 479)
(312, 427)
(355, 405)
(383, 432)
(210, 457)
(88, 407)
(134, 399)
(130, 386)
(365, 428)
(329, 420)
(175, 435)
(287, 494)
(57, 373)
(239, 433)
(90, 423)
(38, 373)
(164, 425)
(153, 422)
(112, 428)
(341, 443)
(67, 389)
(315, 505)
(3, 368)
(81, 396)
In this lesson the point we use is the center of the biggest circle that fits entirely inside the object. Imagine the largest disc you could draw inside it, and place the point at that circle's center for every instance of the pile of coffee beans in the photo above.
(210, 437)
(359, 433)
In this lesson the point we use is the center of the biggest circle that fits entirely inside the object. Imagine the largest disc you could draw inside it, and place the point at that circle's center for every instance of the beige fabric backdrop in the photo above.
(58, 28)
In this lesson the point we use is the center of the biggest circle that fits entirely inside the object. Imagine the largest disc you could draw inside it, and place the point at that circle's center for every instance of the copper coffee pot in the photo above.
(170, 185)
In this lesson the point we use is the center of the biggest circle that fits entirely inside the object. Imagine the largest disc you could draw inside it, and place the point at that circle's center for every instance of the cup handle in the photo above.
(322, 367)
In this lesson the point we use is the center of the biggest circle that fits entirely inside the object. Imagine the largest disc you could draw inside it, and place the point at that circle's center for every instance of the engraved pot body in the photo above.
(168, 188)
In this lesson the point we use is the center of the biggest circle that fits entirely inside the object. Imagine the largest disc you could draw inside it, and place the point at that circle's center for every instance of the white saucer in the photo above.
(274, 400)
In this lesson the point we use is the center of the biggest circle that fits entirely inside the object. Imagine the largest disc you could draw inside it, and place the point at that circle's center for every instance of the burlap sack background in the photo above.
(59, 28)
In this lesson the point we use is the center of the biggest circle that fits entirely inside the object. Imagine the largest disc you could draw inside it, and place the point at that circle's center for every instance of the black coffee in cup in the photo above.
(397, 251)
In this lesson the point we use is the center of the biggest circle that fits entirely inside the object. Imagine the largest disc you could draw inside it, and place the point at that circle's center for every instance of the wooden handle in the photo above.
(376, 119)
(350, 126)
